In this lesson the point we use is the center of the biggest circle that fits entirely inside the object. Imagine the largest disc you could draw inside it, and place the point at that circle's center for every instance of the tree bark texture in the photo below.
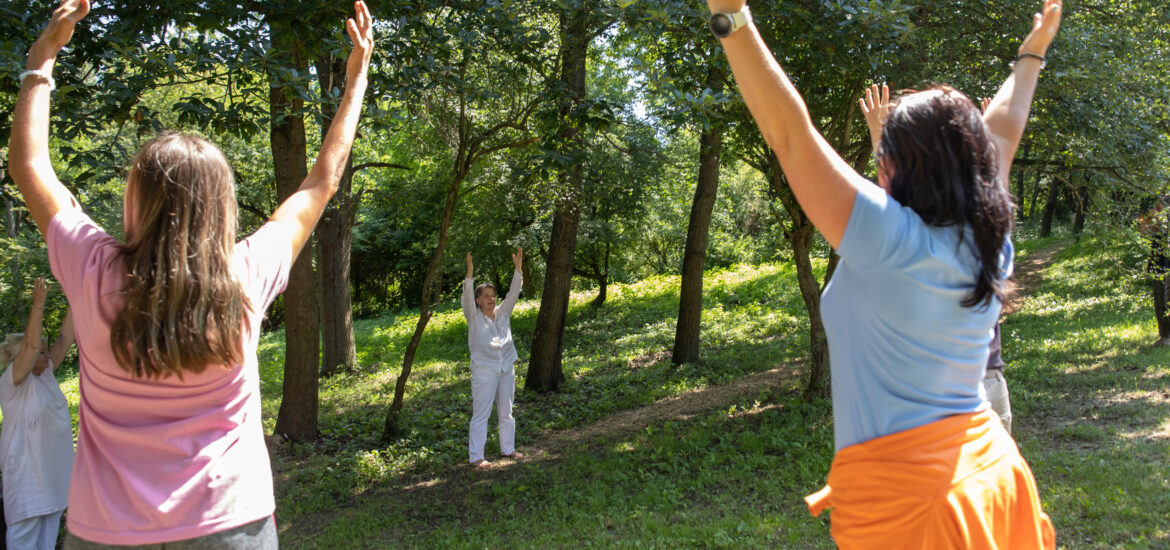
(334, 244)
(544, 367)
(297, 417)
(690, 304)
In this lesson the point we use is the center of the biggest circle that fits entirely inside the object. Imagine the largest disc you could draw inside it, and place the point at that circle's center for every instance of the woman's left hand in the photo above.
(1044, 27)
(875, 106)
(361, 32)
(518, 258)
(60, 28)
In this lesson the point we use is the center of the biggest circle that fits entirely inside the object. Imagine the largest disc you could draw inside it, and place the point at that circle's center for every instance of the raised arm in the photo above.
(517, 282)
(301, 210)
(30, 346)
(1007, 114)
(467, 300)
(65, 339)
(824, 184)
(875, 106)
(28, 146)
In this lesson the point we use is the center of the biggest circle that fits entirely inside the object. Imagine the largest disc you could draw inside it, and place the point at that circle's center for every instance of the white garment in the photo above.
(488, 384)
(35, 533)
(36, 446)
(492, 379)
(995, 385)
(490, 340)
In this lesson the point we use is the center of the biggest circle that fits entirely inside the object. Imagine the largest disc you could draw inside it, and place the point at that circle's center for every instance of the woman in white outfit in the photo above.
(489, 337)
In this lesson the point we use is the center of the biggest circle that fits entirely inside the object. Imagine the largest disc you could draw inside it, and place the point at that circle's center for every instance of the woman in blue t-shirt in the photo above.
(925, 254)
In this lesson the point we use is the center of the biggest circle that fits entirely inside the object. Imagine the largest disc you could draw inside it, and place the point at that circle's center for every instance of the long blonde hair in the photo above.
(184, 306)
(9, 348)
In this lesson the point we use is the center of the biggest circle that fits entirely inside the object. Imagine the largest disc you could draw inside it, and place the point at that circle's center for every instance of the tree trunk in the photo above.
(603, 279)
(390, 429)
(1035, 195)
(13, 227)
(334, 244)
(297, 418)
(544, 367)
(801, 234)
(690, 304)
(1020, 184)
(1080, 207)
(1050, 208)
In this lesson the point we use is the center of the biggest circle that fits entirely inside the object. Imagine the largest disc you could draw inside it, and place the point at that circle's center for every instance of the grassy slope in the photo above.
(1092, 417)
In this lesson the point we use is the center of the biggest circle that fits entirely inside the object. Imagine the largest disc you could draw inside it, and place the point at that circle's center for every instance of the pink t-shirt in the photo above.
(161, 460)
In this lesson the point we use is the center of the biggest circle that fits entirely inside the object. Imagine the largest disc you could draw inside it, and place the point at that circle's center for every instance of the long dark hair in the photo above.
(184, 306)
(942, 163)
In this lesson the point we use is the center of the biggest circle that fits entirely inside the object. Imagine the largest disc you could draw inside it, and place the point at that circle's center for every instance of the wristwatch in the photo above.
(723, 24)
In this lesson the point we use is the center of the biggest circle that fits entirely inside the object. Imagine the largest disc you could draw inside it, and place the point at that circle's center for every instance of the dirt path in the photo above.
(1030, 271)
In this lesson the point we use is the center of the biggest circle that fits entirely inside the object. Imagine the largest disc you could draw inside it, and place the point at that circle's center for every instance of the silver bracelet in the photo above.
(1043, 61)
(43, 74)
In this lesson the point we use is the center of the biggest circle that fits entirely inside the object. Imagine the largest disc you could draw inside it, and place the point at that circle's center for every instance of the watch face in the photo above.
(720, 24)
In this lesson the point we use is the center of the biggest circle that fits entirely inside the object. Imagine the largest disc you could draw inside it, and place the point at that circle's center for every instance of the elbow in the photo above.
(777, 141)
(20, 169)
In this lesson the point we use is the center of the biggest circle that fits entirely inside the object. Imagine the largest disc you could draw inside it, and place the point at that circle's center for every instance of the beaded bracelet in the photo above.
(43, 74)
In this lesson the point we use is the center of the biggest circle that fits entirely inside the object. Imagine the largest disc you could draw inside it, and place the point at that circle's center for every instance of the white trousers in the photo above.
(997, 393)
(35, 533)
(489, 385)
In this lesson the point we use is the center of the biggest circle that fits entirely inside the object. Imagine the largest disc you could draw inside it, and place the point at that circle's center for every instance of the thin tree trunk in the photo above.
(544, 369)
(334, 245)
(297, 417)
(13, 227)
(1035, 195)
(800, 234)
(1020, 184)
(390, 429)
(1050, 208)
(690, 306)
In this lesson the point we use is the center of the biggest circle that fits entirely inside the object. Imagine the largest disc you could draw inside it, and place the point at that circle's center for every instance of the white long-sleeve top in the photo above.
(490, 341)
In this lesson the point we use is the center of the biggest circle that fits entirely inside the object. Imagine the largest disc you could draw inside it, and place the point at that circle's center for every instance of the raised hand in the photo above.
(1044, 27)
(469, 269)
(40, 291)
(875, 106)
(518, 258)
(60, 28)
(361, 32)
(984, 103)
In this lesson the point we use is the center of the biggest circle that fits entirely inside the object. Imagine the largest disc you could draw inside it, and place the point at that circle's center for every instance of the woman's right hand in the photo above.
(60, 28)
(469, 271)
(361, 32)
(40, 291)
(1044, 27)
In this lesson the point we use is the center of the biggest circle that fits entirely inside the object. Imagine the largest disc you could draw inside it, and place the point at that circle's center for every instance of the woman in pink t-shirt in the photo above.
(170, 443)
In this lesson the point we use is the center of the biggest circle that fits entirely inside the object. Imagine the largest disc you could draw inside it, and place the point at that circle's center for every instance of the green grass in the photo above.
(1090, 398)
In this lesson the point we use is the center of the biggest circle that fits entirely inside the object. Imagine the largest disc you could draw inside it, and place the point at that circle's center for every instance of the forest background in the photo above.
(605, 137)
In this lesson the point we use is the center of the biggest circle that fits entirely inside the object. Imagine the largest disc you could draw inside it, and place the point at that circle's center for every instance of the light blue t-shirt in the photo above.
(902, 350)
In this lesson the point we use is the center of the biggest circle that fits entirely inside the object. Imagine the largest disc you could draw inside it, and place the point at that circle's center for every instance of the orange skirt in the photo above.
(959, 482)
